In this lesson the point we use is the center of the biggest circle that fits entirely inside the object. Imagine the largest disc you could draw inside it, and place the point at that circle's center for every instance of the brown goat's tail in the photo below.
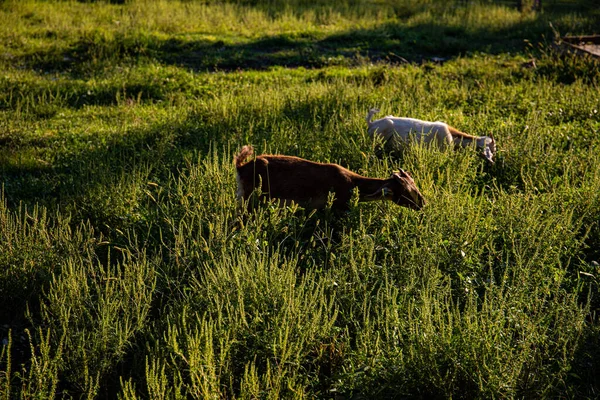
(246, 152)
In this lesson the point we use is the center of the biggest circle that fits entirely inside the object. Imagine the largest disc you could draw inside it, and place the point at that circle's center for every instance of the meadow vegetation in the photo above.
(126, 272)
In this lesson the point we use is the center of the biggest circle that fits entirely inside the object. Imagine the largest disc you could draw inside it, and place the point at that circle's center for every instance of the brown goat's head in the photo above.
(402, 190)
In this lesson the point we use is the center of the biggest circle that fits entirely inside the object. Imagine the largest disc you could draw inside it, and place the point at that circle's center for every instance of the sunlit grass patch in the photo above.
(128, 269)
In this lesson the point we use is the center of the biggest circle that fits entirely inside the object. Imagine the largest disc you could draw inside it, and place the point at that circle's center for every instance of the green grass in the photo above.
(125, 271)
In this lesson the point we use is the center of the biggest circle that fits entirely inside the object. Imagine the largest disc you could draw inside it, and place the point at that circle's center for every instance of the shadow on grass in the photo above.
(391, 42)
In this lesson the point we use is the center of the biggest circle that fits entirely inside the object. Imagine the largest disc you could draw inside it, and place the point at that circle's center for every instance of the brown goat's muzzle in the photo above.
(415, 204)
(422, 203)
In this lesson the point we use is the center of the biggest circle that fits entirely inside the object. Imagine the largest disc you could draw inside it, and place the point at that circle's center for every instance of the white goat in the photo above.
(440, 133)
(308, 183)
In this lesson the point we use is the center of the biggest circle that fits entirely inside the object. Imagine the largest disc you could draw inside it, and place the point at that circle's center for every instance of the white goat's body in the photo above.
(439, 133)
(412, 129)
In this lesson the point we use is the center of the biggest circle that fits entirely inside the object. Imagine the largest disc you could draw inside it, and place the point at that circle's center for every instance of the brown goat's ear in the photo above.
(402, 174)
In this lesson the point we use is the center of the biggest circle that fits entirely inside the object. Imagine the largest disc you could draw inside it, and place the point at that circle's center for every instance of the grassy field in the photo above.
(125, 271)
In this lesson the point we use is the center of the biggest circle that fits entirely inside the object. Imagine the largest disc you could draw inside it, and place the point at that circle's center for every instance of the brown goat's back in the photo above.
(293, 179)
(308, 183)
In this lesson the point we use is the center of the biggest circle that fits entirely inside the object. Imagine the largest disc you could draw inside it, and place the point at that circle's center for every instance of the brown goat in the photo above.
(308, 183)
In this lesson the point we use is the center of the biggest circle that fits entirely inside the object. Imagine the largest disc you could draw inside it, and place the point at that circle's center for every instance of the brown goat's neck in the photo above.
(367, 186)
